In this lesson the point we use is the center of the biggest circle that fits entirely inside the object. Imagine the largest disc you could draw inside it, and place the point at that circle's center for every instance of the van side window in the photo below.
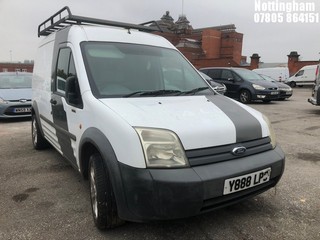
(300, 73)
(65, 69)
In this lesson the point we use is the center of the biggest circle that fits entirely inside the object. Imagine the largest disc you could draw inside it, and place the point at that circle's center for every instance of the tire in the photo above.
(103, 203)
(292, 84)
(245, 96)
(38, 141)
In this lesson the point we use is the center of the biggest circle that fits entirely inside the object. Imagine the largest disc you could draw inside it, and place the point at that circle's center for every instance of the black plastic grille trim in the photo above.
(224, 153)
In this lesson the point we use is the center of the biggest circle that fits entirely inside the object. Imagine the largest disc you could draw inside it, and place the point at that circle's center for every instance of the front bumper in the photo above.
(15, 110)
(285, 94)
(266, 95)
(159, 194)
(313, 101)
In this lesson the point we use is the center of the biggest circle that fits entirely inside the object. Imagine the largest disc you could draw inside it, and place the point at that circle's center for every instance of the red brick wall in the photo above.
(12, 67)
(211, 43)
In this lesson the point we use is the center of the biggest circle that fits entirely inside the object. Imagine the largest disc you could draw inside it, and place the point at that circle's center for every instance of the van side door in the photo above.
(62, 110)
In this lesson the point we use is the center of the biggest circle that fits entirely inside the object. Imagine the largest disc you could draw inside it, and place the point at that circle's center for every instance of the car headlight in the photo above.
(271, 132)
(162, 148)
(258, 87)
(3, 101)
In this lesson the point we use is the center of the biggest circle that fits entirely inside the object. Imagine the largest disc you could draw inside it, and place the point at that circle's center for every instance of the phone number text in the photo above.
(278, 17)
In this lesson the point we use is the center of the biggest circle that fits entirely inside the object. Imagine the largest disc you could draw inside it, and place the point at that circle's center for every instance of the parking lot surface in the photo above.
(43, 197)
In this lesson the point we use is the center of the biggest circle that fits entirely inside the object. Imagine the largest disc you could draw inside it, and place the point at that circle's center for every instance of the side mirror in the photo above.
(73, 95)
(230, 79)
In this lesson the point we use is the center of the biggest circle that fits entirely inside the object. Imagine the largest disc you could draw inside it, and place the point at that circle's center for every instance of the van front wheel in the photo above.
(292, 84)
(103, 203)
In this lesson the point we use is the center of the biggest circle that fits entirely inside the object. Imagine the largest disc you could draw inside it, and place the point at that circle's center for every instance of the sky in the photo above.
(273, 41)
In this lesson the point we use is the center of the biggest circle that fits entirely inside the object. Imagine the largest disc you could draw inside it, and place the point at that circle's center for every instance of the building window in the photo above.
(18, 70)
(5, 70)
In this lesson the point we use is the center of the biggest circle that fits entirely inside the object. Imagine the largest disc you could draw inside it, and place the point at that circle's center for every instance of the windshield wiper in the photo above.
(152, 93)
(194, 91)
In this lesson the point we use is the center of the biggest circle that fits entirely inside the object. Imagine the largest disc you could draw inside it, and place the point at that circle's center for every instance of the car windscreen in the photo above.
(15, 80)
(248, 75)
(132, 70)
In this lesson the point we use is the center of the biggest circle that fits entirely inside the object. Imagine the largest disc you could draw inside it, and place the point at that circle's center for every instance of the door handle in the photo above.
(53, 101)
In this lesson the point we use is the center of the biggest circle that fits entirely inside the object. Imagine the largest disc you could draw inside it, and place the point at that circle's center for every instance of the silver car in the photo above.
(15, 94)
(219, 87)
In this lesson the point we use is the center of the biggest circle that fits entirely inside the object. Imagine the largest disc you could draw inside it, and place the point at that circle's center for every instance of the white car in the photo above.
(152, 148)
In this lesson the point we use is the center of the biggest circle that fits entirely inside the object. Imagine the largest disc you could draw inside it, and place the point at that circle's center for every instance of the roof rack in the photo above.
(64, 18)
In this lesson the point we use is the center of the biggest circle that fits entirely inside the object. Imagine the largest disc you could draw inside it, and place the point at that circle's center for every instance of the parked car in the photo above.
(284, 89)
(219, 87)
(243, 84)
(304, 77)
(15, 94)
(153, 146)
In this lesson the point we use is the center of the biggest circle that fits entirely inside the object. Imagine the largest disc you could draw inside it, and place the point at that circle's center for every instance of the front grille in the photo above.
(211, 155)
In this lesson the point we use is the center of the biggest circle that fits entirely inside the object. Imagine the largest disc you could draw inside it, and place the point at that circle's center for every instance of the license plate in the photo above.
(243, 182)
(22, 110)
(274, 93)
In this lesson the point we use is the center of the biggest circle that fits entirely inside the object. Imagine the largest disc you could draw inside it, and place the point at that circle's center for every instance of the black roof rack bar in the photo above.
(64, 18)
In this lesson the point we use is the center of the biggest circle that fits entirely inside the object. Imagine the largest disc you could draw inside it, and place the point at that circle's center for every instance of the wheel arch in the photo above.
(94, 141)
(35, 112)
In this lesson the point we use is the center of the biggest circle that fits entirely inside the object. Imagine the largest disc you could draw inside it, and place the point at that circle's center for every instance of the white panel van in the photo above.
(305, 76)
(135, 118)
(280, 74)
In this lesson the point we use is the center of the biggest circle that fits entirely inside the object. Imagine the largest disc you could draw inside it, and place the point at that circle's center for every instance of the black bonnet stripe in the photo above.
(247, 126)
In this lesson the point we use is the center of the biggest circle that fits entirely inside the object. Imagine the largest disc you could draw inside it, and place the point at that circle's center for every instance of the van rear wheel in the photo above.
(245, 96)
(103, 203)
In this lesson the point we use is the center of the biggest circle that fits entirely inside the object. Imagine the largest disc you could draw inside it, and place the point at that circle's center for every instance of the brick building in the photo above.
(204, 47)
(14, 67)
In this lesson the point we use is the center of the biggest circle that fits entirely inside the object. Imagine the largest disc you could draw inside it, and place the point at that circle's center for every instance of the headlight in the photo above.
(3, 101)
(162, 148)
(258, 87)
(271, 131)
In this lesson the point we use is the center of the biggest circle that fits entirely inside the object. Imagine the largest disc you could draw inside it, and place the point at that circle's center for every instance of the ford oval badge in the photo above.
(238, 151)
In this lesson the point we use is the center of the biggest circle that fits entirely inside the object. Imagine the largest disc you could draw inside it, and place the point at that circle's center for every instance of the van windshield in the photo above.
(131, 70)
(248, 75)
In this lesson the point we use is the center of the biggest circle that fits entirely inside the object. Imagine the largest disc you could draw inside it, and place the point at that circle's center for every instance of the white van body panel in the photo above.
(305, 76)
(280, 74)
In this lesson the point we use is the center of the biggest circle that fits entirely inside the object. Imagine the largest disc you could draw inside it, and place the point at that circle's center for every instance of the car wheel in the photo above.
(245, 96)
(39, 142)
(103, 203)
(292, 84)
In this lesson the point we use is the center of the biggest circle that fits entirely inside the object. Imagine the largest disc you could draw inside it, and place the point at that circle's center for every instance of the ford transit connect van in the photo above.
(133, 116)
